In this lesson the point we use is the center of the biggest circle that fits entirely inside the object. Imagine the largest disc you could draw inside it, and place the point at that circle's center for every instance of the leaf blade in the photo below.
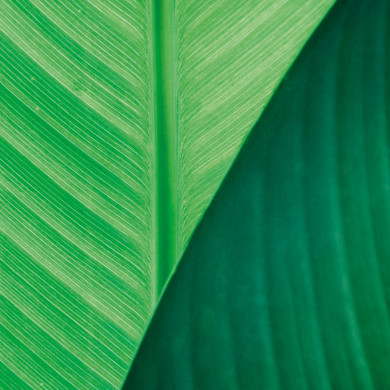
(77, 183)
(283, 283)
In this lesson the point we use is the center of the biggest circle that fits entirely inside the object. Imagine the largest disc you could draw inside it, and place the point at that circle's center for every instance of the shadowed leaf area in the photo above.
(285, 283)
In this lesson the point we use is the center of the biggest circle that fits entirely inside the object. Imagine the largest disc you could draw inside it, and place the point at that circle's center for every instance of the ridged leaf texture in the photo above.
(118, 121)
(285, 283)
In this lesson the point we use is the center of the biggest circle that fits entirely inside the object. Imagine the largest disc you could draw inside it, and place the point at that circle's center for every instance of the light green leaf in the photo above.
(285, 283)
(118, 121)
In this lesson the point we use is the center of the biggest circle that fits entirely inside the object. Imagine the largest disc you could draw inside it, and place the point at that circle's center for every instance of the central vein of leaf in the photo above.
(165, 141)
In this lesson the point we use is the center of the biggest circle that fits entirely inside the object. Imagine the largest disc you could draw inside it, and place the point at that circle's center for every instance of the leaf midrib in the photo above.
(163, 97)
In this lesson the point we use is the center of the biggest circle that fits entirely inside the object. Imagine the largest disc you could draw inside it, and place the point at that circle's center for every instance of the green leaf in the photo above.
(118, 121)
(284, 284)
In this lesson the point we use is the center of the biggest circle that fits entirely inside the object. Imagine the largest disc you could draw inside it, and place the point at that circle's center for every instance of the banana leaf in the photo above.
(285, 283)
(118, 121)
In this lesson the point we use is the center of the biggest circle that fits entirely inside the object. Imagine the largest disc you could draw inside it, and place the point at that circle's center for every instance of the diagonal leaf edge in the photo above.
(166, 284)
(283, 283)
(75, 253)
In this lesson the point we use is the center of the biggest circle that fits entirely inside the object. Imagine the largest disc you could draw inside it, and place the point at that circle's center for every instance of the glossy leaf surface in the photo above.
(285, 283)
(118, 120)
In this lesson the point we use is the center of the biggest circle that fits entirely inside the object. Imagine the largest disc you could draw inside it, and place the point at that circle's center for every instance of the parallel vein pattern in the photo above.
(78, 145)
(74, 188)
(232, 55)
(285, 283)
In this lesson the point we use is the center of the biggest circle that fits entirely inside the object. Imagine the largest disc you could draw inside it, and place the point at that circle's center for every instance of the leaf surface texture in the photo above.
(284, 284)
(114, 136)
